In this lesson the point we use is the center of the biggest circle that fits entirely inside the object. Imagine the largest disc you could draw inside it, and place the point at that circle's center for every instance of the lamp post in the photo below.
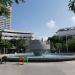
(66, 44)
(4, 36)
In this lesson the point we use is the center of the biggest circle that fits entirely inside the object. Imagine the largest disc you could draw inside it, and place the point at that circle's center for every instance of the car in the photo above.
(3, 58)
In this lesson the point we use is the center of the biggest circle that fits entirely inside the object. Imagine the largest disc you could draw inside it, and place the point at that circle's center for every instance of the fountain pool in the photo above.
(43, 58)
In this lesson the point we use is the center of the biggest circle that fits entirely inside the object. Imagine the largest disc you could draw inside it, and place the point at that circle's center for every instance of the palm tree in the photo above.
(4, 11)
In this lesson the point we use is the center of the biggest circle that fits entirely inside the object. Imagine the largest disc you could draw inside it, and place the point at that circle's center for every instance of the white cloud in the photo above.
(51, 24)
(73, 20)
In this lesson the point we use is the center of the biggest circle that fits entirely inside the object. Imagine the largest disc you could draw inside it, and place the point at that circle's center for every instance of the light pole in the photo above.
(66, 44)
(4, 36)
(50, 44)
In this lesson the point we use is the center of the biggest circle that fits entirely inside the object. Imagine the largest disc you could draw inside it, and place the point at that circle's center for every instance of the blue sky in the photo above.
(42, 17)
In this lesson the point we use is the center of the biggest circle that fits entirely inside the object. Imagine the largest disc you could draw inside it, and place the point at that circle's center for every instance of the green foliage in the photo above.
(71, 43)
(72, 5)
(58, 42)
(4, 9)
(20, 43)
(18, 1)
(5, 44)
(0, 36)
(13, 41)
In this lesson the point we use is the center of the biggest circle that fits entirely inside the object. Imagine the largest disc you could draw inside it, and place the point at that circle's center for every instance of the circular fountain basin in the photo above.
(42, 58)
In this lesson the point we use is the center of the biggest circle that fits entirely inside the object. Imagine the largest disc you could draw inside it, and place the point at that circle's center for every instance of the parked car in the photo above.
(3, 58)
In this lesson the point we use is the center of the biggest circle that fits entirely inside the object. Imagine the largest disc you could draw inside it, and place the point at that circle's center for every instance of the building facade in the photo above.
(8, 35)
(66, 31)
(5, 22)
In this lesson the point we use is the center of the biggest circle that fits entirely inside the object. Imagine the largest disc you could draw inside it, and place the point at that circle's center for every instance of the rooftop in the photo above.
(18, 32)
(66, 29)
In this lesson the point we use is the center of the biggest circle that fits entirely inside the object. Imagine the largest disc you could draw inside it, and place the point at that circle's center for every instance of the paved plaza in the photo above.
(49, 68)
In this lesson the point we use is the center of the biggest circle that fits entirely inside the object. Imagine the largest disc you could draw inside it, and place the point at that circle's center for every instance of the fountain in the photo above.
(38, 47)
(41, 54)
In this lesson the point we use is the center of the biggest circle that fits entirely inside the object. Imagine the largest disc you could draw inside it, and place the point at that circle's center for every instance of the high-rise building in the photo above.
(5, 22)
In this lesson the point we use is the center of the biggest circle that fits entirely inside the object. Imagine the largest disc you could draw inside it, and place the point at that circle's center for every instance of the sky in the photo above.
(42, 17)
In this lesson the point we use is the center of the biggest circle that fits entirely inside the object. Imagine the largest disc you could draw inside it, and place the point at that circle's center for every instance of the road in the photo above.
(50, 68)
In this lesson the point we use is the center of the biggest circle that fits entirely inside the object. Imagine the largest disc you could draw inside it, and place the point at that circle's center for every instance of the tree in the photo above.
(4, 10)
(6, 44)
(13, 41)
(59, 43)
(20, 43)
(71, 44)
(55, 39)
(72, 5)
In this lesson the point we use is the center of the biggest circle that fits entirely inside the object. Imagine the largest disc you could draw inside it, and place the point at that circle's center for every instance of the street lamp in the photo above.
(66, 44)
